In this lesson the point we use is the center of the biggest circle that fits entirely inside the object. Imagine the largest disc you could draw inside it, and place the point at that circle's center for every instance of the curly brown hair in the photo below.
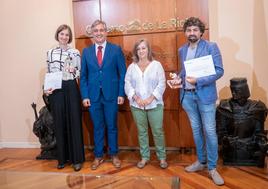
(194, 21)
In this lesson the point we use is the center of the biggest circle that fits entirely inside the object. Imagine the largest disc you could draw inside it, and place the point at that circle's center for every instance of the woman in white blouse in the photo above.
(65, 103)
(144, 86)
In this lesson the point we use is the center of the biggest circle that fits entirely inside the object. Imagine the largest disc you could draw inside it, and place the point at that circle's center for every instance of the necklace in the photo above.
(143, 65)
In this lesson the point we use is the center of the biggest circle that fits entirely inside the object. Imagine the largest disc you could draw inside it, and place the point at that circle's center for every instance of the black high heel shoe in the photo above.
(60, 166)
(77, 167)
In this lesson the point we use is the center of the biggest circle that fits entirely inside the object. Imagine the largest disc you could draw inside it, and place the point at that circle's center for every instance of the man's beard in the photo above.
(192, 38)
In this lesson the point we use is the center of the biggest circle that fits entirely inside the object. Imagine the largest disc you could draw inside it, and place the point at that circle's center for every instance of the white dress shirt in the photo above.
(144, 84)
(103, 48)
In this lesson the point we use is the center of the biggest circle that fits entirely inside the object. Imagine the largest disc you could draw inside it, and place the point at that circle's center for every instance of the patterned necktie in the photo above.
(99, 55)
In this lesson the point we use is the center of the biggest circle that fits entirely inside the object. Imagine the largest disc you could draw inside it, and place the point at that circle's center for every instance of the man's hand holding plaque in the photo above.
(175, 82)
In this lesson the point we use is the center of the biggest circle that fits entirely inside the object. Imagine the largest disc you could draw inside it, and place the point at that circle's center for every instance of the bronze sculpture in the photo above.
(43, 128)
(240, 127)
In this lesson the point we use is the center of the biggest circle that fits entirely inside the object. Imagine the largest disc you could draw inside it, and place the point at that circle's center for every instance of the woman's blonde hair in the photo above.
(135, 56)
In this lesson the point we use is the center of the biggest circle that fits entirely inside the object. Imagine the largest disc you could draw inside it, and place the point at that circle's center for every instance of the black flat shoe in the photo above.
(77, 167)
(60, 166)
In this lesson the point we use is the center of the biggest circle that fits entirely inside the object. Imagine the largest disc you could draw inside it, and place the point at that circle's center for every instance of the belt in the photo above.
(189, 90)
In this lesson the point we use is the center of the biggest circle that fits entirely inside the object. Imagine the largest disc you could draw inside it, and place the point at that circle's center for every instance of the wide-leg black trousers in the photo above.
(66, 111)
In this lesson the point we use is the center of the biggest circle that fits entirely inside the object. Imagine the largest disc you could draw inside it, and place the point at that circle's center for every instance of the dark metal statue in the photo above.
(240, 127)
(43, 128)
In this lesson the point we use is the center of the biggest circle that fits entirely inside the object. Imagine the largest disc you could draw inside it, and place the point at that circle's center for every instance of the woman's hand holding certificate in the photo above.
(48, 91)
(53, 81)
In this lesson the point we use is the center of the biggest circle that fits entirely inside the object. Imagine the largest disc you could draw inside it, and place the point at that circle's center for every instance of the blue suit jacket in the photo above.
(206, 86)
(109, 77)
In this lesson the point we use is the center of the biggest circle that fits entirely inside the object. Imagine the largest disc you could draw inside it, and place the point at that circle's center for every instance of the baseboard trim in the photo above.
(90, 147)
(19, 145)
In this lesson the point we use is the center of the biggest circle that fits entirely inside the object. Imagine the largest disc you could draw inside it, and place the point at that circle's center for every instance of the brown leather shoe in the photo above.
(96, 163)
(116, 162)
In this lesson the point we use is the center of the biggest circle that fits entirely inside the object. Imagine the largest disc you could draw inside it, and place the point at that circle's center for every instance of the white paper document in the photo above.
(200, 67)
(53, 80)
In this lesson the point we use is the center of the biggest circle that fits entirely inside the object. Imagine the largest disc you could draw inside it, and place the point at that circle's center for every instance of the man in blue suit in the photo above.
(198, 97)
(102, 88)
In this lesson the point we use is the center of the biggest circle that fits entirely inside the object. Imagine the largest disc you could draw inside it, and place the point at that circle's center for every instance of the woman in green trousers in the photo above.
(145, 84)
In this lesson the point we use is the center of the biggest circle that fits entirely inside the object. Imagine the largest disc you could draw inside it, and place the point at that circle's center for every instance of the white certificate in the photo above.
(53, 80)
(200, 67)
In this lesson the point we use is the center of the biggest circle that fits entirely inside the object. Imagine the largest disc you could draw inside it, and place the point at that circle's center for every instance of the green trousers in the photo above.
(154, 117)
